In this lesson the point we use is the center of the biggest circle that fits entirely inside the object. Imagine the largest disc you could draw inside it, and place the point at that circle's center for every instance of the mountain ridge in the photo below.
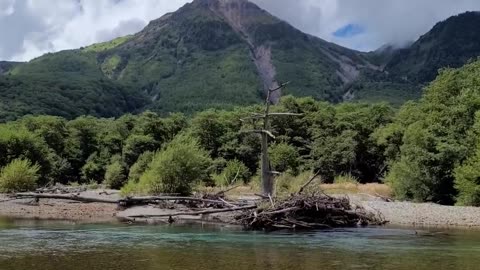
(450, 43)
(212, 54)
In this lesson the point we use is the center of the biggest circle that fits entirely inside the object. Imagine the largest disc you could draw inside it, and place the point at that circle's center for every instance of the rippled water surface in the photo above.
(61, 245)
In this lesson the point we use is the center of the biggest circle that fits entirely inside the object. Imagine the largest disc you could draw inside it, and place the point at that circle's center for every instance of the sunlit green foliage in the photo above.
(176, 168)
(434, 137)
(234, 172)
(427, 150)
(99, 47)
(19, 175)
(115, 175)
(19, 143)
(284, 157)
(139, 167)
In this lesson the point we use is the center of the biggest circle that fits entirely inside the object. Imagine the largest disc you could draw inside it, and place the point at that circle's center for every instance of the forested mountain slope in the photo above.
(221, 54)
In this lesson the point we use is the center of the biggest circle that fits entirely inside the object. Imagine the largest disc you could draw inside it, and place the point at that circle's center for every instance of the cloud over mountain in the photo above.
(30, 28)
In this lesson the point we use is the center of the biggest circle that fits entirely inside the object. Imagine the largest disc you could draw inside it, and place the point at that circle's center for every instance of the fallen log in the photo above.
(197, 213)
(122, 202)
(71, 197)
(133, 200)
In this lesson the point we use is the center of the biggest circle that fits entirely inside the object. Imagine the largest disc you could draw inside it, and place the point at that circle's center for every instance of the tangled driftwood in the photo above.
(298, 211)
(307, 212)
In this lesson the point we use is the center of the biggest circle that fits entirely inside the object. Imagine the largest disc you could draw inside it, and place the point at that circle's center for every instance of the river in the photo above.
(46, 245)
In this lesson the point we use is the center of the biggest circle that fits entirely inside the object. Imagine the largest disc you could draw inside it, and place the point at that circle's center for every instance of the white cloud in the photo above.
(385, 21)
(39, 26)
(30, 28)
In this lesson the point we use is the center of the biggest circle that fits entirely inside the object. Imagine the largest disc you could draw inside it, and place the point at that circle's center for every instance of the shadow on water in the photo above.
(26, 244)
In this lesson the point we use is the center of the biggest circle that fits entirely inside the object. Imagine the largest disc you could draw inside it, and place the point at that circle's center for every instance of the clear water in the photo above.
(60, 245)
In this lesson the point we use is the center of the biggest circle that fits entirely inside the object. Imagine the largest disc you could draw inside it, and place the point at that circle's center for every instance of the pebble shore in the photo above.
(397, 213)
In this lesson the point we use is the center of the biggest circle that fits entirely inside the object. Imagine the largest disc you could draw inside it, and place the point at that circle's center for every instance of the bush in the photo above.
(140, 166)
(176, 168)
(19, 143)
(18, 176)
(234, 171)
(115, 176)
(284, 157)
(408, 182)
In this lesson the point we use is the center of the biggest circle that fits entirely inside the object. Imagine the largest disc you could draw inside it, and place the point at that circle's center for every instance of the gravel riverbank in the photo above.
(426, 214)
(397, 213)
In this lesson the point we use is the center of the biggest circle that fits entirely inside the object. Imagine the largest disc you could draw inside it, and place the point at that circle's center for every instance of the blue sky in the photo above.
(348, 31)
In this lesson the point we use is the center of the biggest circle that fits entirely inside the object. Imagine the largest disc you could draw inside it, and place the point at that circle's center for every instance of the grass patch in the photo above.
(100, 47)
(110, 65)
(373, 189)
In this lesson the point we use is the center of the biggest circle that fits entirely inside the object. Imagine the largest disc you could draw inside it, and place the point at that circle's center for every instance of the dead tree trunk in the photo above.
(267, 177)
(267, 174)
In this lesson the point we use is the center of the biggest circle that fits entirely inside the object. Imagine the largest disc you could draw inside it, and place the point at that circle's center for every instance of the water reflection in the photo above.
(54, 245)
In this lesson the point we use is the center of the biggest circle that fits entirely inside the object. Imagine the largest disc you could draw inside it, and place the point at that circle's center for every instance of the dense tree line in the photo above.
(427, 151)
(143, 149)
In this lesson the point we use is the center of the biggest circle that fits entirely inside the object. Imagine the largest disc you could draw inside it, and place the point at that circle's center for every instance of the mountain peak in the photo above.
(216, 2)
(237, 12)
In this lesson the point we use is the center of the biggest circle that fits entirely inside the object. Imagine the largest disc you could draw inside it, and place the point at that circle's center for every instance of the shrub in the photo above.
(19, 143)
(176, 168)
(19, 175)
(284, 157)
(115, 176)
(408, 182)
(130, 188)
(140, 166)
(233, 172)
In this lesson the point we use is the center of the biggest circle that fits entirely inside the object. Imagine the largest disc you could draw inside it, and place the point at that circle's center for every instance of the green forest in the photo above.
(428, 150)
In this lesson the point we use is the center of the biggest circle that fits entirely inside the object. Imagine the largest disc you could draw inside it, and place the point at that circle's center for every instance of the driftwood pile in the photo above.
(297, 212)
(314, 211)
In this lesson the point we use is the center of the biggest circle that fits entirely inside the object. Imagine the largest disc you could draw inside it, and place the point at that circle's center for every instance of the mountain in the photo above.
(6, 66)
(220, 54)
(451, 43)
(209, 53)
(405, 71)
(66, 84)
(216, 50)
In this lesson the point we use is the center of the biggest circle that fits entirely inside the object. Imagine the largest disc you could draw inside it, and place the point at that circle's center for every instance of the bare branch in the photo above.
(285, 114)
(309, 182)
(279, 87)
(260, 132)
